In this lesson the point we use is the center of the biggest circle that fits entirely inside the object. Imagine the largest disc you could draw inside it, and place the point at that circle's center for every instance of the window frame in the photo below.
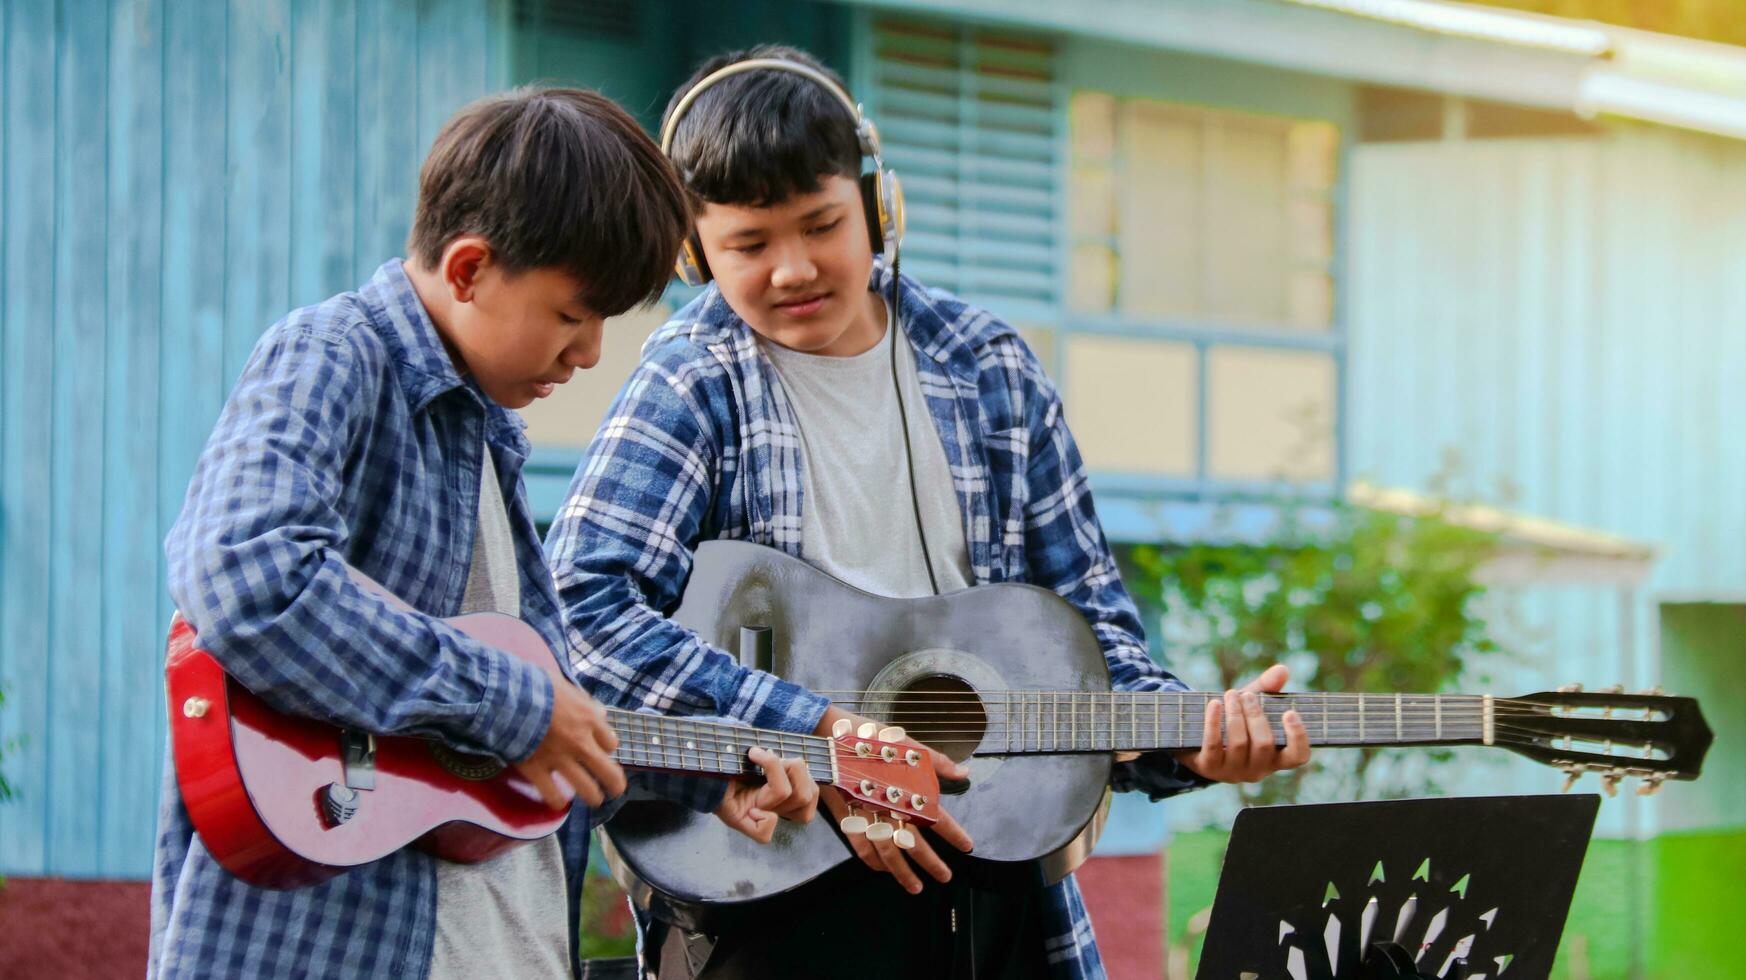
(1204, 335)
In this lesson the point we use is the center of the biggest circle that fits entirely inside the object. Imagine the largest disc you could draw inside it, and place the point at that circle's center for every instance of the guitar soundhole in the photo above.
(475, 768)
(943, 713)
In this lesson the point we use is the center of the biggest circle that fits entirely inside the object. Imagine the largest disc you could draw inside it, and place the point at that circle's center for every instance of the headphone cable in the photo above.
(903, 420)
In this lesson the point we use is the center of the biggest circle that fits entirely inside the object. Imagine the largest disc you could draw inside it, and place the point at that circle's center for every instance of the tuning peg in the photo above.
(866, 730)
(892, 733)
(854, 823)
(1654, 692)
(1610, 782)
(1570, 689)
(843, 727)
(879, 830)
(903, 837)
(1572, 774)
(1651, 784)
(1615, 689)
(912, 757)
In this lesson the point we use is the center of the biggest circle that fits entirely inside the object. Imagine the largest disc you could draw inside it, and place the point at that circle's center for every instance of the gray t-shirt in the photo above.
(857, 521)
(509, 916)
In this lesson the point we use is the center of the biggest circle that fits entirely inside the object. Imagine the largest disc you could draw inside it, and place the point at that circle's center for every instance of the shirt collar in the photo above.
(421, 362)
(934, 326)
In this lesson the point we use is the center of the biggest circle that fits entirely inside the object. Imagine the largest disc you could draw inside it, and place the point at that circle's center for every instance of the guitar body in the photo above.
(831, 637)
(253, 779)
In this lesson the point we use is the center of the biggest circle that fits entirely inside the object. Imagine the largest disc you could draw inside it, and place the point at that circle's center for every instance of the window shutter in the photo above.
(971, 120)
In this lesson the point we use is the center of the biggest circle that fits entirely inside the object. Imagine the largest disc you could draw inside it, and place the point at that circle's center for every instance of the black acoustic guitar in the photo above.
(1010, 680)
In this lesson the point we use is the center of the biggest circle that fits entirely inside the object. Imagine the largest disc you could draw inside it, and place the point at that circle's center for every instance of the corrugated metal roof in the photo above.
(1535, 60)
(1480, 23)
(1673, 81)
(1513, 528)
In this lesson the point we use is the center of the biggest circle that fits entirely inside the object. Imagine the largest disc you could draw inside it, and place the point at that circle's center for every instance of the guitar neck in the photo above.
(661, 743)
(1025, 722)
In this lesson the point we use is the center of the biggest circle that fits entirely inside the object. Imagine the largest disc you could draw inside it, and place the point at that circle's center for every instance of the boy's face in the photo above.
(519, 335)
(797, 271)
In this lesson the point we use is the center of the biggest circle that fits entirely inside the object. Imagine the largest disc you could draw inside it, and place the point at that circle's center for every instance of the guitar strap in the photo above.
(683, 954)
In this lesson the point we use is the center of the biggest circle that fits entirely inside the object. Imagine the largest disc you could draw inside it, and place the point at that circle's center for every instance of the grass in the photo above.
(1687, 887)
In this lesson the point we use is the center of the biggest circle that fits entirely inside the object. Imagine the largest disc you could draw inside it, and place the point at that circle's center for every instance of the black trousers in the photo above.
(855, 922)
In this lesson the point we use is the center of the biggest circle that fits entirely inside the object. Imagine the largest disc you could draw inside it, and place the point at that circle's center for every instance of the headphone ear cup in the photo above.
(870, 204)
(891, 198)
(692, 267)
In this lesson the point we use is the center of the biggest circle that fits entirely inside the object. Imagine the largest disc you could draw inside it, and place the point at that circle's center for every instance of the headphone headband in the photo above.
(863, 129)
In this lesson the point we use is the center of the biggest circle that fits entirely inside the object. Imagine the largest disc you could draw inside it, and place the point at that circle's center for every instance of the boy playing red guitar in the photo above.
(375, 430)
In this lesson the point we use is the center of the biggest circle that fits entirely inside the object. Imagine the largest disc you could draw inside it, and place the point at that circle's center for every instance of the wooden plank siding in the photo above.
(174, 177)
(1570, 316)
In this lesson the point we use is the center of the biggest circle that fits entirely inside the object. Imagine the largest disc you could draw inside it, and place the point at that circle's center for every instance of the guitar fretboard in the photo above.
(1023, 722)
(660, 742)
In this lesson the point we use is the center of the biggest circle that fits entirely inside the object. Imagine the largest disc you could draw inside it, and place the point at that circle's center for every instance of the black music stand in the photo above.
(1458, 888)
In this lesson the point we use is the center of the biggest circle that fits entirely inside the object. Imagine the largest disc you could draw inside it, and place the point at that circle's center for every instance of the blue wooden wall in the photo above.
(174, 176)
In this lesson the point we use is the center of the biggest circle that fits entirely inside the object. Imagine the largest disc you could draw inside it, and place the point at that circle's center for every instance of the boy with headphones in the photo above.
(780, 406)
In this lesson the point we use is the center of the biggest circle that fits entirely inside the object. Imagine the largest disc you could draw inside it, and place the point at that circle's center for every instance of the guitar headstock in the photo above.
(1648, 735)
(878, 772)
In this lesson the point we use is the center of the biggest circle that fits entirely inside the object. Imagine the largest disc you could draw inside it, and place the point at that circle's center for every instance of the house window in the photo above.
(1212, 216)
(1202, 251)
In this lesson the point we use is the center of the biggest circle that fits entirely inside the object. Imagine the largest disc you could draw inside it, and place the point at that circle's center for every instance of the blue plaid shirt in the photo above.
(702, 443)
(350, 438)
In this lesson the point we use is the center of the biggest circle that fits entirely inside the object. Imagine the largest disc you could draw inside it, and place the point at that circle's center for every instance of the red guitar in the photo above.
(284, 801)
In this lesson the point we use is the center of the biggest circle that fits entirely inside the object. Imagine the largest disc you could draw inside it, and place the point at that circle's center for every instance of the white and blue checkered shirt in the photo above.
(349, 439)
(702, 443)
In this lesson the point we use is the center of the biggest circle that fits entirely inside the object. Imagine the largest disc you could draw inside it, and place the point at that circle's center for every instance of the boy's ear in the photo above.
(463, 262)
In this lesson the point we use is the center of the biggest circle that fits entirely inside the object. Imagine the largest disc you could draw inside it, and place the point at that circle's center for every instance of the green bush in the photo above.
(1352, 599)
(7, 747)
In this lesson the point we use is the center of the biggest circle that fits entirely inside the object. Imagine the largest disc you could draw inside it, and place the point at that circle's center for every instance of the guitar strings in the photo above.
(855, 768)
(727, 742)
(819, 751)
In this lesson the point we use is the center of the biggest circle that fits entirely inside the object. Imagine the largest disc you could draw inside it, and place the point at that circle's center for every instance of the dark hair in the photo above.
(556, 178)
(761, 137)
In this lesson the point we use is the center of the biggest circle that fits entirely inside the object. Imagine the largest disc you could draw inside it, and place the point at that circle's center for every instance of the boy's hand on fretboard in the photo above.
(1238, 745)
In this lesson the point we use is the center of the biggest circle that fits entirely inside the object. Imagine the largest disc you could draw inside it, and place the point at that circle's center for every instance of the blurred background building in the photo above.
(1265, 247)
